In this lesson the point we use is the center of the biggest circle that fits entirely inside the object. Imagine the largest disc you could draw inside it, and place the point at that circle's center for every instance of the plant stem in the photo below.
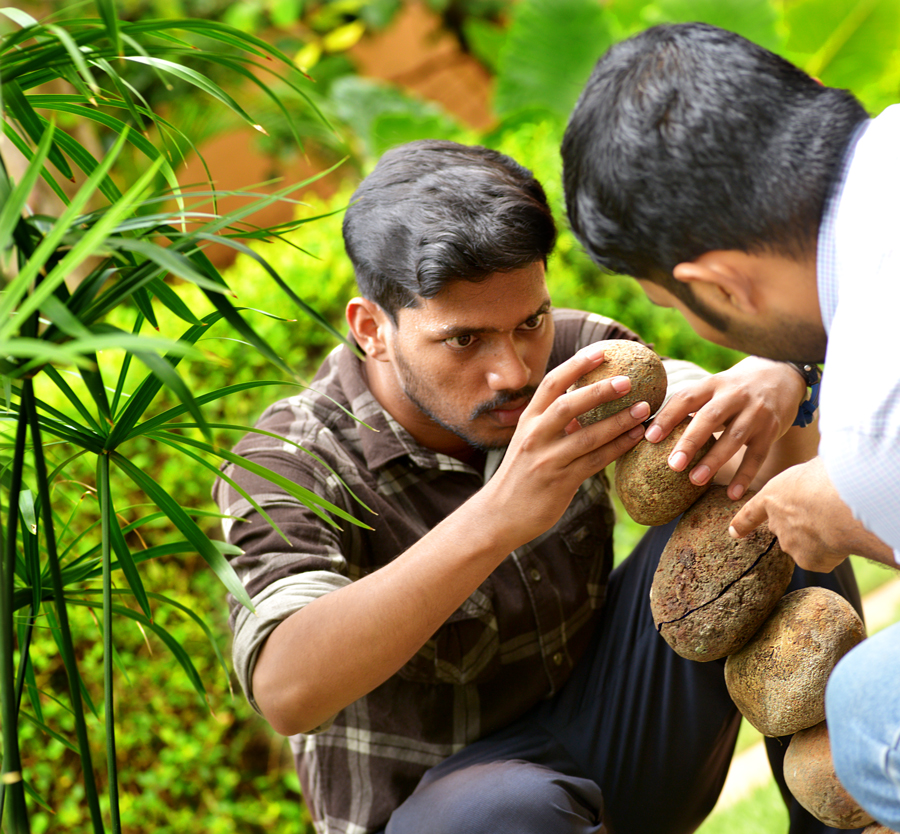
(12, 762)
(107, 518)
(65, 636)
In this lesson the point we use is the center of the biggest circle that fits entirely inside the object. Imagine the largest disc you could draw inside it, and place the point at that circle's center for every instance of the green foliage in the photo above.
(82, 381)
(184, 765)
(851, 44)
(545, 66)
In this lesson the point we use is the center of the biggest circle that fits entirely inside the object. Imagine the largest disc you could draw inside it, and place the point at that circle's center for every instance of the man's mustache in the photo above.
(502, 399)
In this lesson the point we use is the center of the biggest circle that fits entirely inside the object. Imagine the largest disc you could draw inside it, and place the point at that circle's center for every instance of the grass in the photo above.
(760, 812)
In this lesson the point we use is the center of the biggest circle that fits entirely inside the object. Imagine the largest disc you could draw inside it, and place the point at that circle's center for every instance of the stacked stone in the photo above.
(715, 597)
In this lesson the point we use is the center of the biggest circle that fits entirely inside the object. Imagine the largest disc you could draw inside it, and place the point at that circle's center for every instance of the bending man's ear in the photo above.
(370, 326)
(722, 277)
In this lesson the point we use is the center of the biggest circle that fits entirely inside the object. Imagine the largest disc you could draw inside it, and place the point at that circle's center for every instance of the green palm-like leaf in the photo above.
(188, 528)
(172, 644)
(15, 200)
(18, 107)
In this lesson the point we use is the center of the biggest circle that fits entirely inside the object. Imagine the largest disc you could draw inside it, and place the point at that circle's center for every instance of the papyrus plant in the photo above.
(83, 368)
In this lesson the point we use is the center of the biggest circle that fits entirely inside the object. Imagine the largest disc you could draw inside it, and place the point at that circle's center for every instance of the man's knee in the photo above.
(863, 717)
(498, 797)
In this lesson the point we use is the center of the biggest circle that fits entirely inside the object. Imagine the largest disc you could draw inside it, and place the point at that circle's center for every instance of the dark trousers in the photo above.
(637, 742)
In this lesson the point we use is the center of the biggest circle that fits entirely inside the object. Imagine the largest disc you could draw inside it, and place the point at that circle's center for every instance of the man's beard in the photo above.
(415, 395)
(788, 340)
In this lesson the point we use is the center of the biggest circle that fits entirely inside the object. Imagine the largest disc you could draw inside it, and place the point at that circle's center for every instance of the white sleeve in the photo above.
(860, 397)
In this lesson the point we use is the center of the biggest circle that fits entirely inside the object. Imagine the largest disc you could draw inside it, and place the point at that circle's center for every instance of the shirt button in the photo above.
(558, 658)
(535, 574)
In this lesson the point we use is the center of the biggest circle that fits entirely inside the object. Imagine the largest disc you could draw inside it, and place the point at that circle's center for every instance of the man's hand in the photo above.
(550, 455)
(753, 404)
(357, 636)
(809, 518)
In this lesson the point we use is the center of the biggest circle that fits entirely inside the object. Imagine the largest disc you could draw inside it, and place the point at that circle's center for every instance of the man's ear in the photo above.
(721, 276)
(370, 326)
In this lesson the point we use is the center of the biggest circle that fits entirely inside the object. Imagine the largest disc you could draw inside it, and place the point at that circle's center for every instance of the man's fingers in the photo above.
(674, 412)
(561, 378)
(748, 518)
(724, 449)
(598, 445)
(579, 401)
(752, 462)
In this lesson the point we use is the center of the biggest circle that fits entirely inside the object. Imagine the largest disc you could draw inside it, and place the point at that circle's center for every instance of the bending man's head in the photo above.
(434, 212)
(690, 139)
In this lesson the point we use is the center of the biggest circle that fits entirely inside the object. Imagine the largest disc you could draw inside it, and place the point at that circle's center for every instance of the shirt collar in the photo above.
(826, 254)
(389, 440)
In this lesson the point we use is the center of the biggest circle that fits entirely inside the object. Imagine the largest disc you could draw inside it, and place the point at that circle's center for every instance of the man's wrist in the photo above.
(812, 376)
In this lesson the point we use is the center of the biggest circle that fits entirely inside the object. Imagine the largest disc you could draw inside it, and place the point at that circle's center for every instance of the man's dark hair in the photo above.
(434, 212)
(687, 139)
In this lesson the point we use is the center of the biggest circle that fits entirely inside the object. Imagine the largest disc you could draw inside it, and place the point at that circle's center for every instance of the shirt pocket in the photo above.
(587, 533)
(465, 649)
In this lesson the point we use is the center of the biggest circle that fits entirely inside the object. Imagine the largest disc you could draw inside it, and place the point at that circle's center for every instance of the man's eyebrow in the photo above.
(452, 331)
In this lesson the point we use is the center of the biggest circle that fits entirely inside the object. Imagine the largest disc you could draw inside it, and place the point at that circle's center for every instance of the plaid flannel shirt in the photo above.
(511, 644)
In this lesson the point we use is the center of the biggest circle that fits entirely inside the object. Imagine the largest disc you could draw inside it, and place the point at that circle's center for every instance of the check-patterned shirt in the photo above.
(858, 277)
(511, 644)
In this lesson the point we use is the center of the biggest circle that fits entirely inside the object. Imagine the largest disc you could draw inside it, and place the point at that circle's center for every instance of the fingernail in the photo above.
(622, 384)
(677, 461)
(737, 491)
(654, 434)
(640, 411)
(591, 351)
(636, 432)
(700, 475)
(733, 533)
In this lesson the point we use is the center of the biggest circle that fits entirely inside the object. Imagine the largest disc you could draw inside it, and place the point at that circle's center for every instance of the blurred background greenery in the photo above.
(503, 73)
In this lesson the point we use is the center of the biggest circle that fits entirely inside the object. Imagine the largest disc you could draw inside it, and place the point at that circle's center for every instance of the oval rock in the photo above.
(711, 592)
(651, 492)
(778, 678)
(810, 777)
(624, 357)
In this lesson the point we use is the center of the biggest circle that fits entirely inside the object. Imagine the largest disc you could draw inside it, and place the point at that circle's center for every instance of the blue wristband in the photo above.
(812, 376)
(808, 408)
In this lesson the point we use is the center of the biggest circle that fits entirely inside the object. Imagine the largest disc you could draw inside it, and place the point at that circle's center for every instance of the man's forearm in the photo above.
(346, 643)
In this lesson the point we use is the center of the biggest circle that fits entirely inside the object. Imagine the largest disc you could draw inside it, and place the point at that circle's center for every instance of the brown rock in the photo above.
(640, 364)
(810, 777)
(778, 678)
(651, 492)
(878, 828)
(710, 592)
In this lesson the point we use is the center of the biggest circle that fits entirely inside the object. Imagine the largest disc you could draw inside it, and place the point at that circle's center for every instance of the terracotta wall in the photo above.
(414, 52)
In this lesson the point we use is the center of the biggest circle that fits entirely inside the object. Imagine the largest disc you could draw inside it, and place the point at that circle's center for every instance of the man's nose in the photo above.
(509, 369)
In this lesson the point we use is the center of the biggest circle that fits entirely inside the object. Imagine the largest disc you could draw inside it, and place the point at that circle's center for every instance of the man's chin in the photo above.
(485, 443)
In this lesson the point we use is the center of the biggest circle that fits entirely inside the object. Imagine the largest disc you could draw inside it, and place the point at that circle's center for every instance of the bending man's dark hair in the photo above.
(433, 212)
(687, 139)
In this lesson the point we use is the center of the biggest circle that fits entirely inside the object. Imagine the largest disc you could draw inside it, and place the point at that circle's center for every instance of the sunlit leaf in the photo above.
(549, 52)
(18, 107)
(198, 80)
(852, 44)
(15, 201)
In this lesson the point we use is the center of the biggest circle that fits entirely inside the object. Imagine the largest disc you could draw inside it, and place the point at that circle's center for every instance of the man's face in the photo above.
(776, 334)
(467, 362)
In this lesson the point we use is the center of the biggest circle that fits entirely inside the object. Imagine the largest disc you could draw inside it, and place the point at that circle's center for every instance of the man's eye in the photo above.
(460, 341)
(534, 322)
